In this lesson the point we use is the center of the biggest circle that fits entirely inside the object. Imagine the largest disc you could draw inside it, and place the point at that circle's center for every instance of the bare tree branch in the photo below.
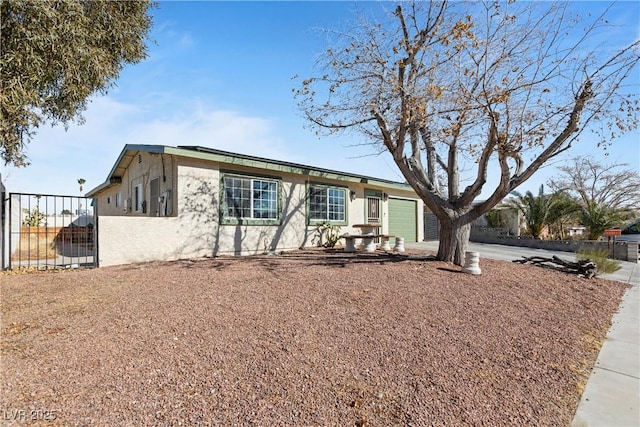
(500, 86)
(613, 185)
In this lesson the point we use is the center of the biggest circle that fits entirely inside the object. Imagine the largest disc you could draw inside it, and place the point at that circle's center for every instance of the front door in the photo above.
(373, 210)
(373, 213)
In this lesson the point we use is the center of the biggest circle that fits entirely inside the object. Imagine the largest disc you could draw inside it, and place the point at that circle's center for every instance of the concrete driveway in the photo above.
(628, 273)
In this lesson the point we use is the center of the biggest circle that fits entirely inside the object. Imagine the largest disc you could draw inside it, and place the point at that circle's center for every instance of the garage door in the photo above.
(431, 227)
(403, 219)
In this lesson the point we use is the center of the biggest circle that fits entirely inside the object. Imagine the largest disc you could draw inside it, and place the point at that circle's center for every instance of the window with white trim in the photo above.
(250, 198)
(327, 203)
(118, 200)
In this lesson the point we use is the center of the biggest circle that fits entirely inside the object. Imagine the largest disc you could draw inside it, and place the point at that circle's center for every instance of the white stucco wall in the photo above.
(195, 230)
(125, 240)
(199, 206)
(143, 168)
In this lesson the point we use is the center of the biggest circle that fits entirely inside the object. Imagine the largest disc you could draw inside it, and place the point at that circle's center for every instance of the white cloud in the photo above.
(185, 41)
(58, 157)
(220, 129)
(89, 151)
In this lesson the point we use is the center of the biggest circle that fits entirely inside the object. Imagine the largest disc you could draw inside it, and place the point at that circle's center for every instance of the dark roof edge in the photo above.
(285, 163)
(161, 149)
(128, 147)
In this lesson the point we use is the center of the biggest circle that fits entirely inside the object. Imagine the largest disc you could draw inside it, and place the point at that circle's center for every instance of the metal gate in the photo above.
(48, 231)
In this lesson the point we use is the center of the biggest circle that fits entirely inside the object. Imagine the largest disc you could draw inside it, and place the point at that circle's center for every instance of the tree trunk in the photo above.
(454, 240)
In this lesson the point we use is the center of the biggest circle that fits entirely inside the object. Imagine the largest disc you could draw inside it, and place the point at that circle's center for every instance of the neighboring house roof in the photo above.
(130, 150)
(82, 221)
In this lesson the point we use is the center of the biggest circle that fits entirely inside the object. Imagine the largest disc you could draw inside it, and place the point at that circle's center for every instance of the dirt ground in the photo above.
(311, 338)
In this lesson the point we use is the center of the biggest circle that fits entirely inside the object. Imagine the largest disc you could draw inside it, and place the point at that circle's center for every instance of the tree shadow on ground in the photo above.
(450, 270)
(333, 258)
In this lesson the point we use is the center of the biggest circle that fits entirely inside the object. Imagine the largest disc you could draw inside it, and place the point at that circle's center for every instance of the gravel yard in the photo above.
(311, 338)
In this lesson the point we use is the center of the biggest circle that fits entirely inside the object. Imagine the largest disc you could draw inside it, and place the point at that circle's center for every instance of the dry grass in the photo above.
(310, 338)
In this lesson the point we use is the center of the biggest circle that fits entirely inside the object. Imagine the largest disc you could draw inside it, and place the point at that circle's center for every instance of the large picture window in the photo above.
(327, 204)
(250, 198)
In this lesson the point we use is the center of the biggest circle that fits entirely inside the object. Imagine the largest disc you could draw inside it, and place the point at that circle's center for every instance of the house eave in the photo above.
(204, 153)
(122, 163)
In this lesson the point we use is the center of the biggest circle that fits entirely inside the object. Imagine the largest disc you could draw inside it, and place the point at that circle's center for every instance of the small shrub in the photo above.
(32, 218)
(494, 219)
(601, 260)
(329, 235)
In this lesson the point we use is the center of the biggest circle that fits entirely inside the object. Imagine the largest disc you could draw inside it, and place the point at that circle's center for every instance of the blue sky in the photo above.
(219, 75)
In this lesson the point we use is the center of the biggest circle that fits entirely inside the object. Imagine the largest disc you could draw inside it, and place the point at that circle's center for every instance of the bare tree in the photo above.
(606, 194)
(591, 182)
(500, 87)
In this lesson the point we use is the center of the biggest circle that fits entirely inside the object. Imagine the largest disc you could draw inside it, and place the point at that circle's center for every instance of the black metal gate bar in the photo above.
(51, 231)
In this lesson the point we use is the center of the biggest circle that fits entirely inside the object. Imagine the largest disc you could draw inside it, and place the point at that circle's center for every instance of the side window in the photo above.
(250, 198)
(318, 209)
(265, 199)
(327, 204)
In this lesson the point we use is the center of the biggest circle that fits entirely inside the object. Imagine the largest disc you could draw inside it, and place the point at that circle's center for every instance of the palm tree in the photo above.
(535, 209)
(80, 182)
(598, 217)
(565, 211)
